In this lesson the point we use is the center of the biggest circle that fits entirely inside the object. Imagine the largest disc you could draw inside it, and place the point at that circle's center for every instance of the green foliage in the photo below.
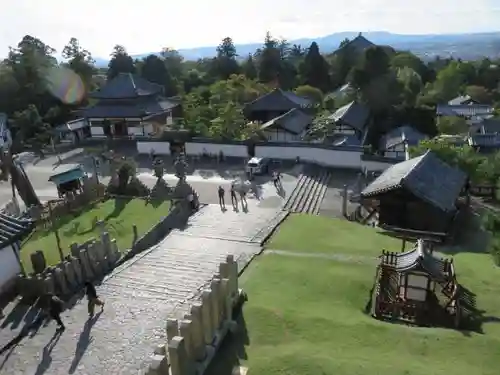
(393, 84)
(491, 224)
(452, 125)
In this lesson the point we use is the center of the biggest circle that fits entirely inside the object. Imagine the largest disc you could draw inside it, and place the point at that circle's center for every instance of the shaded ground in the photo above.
(119, 216)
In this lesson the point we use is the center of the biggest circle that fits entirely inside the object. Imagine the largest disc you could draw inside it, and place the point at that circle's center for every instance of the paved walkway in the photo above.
(140, 295)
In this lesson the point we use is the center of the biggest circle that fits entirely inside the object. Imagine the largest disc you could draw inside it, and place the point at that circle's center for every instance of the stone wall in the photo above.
(193, 341)
(87, 262)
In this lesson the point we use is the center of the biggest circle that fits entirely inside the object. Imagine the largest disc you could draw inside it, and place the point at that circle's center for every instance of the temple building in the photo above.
(275, 104)
(421, 194)
(13, 231)
(130, 106)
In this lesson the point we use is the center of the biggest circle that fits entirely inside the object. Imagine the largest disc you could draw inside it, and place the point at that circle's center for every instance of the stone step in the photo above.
(321, 195)
(313, 195)
(295, 191)
(306, 188)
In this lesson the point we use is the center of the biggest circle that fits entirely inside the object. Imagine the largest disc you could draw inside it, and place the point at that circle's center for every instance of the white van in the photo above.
(257, 166)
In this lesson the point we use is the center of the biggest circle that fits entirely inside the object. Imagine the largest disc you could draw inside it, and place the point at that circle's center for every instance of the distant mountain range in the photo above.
(465, 46)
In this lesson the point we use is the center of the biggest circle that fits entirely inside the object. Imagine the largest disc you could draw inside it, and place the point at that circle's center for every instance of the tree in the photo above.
(310, 92)
(402, 60)
(248, 68)
(30, 64)
(377, 84)
(269, 60)
(31, 128)
(154, 70)
(121, 62)
(217, 110)
(173, 62)
(452, 125)
(411, 83)
(315, 70)
(80, 61)
(225, 63)
(479, 94)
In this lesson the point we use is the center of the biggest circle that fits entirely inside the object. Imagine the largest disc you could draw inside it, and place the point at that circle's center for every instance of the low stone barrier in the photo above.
(87, 262)
(193, 341)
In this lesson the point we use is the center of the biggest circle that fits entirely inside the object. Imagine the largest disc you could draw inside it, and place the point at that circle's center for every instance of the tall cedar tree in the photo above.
(315, 70)
(121, 62)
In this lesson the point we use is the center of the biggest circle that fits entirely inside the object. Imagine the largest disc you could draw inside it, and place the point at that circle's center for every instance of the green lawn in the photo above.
(119, 215)
(319, 234)
(306, 317)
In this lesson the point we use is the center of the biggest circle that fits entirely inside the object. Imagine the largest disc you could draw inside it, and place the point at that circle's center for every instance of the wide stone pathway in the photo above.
(139, 297)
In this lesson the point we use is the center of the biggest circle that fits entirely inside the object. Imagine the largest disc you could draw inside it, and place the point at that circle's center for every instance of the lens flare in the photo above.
(65, 85)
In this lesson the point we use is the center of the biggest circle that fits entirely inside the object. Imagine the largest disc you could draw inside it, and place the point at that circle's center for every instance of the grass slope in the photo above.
(119, 215)
(305, 316)
(319, 234)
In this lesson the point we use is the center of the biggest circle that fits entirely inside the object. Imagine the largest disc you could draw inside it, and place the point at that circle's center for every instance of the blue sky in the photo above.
(149, 25)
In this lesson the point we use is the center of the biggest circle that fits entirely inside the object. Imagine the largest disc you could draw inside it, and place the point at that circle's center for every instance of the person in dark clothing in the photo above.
(276, 180)
(243, 198)
(55, 308)
(93, 299)
(234, 200)
(221, 192)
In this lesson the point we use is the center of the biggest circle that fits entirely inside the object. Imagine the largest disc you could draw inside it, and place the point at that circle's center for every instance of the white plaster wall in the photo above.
(215, 148)
(281, 136)
(160, 148)
(326, 157)
(9, 267)
(375, 166)
(169, 120)
(148, 128)
(135, 130)
(97, 131)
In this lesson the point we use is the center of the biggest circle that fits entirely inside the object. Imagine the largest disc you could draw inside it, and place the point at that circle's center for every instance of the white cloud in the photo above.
(149, 25)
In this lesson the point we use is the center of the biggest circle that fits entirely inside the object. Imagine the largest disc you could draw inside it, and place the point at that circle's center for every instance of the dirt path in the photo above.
(347, 258)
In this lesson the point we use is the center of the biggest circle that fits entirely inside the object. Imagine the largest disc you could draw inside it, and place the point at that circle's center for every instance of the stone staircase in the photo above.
(309, 191)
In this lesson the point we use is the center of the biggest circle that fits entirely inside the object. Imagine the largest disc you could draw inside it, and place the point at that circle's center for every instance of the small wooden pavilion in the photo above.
(420, 195)
(418, 288)
(68, 179)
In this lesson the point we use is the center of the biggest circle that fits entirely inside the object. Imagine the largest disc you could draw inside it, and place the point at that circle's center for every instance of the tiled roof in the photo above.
(359, 44)
(125, 86)
(13, 229)
(294, 121)
(278, 101)
(72, 126)
(464, 99)
(427, 177)
(419, 258)
(136, 109)
(465, 110)
(484, 140)
(353, 114)
(401, 134)
(490, 126)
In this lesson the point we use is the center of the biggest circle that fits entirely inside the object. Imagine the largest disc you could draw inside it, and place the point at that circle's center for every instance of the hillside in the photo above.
(465, 46)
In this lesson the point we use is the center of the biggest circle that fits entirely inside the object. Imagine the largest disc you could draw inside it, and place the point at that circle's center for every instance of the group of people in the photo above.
(234, 197)
(54, 306)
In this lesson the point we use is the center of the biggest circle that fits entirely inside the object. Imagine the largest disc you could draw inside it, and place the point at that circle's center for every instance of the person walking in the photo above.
(93, 299)
(275, 179)
(234, 200)
(221, 193)
(55, 308)
(243, 198)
